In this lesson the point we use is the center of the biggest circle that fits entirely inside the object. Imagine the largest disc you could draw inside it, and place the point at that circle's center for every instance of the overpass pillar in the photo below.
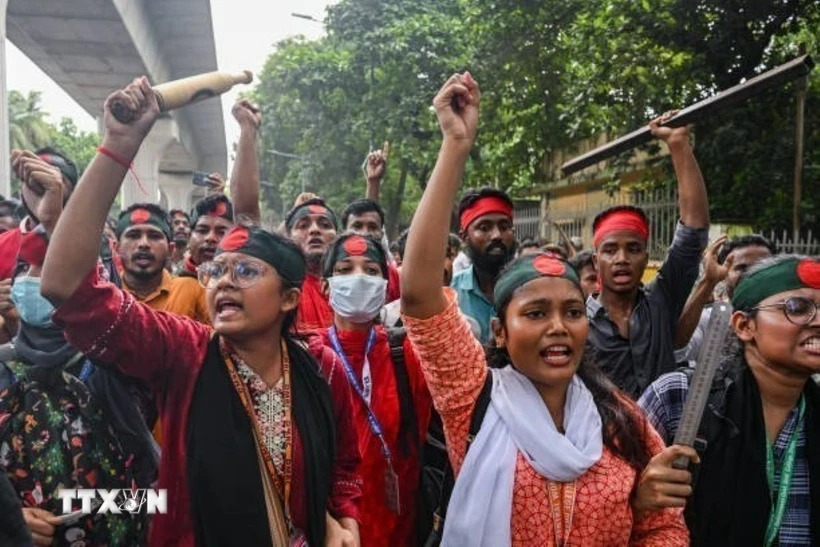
(5, 166)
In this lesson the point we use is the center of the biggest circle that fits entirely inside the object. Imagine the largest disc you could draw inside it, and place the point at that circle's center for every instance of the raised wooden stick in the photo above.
(769, 79)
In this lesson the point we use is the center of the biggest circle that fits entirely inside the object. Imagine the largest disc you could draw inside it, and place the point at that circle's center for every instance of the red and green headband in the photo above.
(285, 258)
(618, 221)
(311, 207)
(785, 275)
(356, 245)
(220, 208)
(527, 268)
(142, 216)
(484, 206)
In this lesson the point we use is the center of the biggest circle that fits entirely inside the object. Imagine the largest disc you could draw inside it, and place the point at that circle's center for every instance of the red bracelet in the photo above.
(116, 157)
(129, 165)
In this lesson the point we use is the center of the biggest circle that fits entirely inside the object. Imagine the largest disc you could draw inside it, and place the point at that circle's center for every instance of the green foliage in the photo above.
(78, 145)
(552, 73)
(30, 130)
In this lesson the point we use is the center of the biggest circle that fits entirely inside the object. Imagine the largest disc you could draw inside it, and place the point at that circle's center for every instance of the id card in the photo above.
(391, 490)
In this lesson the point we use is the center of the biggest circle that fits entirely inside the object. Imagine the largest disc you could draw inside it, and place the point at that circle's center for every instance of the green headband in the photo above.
(786, 275)
(142, 216)
(256, 242)
(531, 267)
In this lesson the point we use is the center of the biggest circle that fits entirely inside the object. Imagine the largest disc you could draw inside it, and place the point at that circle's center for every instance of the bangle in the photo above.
(116, 157)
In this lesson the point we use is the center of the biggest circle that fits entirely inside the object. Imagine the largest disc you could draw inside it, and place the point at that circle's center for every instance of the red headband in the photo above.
(485, 206)
(621, 221)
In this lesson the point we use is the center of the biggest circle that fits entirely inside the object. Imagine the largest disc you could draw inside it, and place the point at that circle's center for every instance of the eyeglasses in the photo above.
(799, 310)
(244, 273)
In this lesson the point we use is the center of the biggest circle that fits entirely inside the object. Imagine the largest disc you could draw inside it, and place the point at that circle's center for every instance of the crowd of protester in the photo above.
(318, 384)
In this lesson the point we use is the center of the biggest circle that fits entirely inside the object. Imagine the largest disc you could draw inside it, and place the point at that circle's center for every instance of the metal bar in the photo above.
(769, 79)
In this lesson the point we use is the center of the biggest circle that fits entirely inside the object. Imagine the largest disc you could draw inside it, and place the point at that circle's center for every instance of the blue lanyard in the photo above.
(375, 426)
(86, 371)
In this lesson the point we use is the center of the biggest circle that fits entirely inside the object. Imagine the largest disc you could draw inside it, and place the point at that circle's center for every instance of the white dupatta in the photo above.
(517, 420)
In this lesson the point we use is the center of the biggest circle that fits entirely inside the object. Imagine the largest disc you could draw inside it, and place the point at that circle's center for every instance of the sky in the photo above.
(244, 35)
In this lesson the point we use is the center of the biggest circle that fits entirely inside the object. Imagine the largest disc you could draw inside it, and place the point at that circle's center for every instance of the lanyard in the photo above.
(364, 389)
(786, 471)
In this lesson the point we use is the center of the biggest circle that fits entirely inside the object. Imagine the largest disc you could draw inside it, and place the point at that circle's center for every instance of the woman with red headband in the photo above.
(559, 449)
(257, 445)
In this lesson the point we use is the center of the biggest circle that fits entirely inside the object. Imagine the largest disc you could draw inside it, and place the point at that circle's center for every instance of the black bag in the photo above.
(437, 477)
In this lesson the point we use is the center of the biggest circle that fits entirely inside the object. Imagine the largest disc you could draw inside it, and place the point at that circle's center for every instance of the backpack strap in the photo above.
(479, 411)
(408, 420)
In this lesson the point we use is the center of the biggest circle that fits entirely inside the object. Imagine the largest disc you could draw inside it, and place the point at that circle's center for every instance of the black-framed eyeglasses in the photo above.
(244, 273)
(799, 310)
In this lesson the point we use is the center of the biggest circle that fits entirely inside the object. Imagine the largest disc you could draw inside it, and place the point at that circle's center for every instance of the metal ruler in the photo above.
(700, 383)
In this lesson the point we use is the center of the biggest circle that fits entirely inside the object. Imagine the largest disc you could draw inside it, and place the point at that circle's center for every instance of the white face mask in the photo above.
(357, 297)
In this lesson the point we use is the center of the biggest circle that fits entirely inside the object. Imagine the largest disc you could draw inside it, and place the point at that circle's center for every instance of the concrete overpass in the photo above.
(92, 47)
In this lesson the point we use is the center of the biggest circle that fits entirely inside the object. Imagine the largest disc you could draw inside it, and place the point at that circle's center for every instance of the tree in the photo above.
(552, 73)
(28, 128)
(79, 146)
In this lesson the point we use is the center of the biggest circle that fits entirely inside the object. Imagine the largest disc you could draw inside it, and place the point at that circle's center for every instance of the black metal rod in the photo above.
(692, 113)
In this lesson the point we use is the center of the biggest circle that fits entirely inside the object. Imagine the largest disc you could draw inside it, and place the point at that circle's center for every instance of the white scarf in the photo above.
(517, 420)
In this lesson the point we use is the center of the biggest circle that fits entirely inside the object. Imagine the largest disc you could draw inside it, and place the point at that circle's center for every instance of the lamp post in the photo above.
(306, 17)
(304, 159)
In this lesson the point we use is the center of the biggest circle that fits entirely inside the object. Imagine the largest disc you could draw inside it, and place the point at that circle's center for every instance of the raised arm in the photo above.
(75, 245)
(245, 174)
(374, 173)
(456, 105)
(692, 200)
(713, 273)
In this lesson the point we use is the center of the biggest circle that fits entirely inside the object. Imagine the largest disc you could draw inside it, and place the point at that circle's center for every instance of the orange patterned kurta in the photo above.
(455, 368)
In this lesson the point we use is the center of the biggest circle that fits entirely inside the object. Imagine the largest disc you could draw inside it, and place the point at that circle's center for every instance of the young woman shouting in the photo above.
(559, 450)
(257, 446)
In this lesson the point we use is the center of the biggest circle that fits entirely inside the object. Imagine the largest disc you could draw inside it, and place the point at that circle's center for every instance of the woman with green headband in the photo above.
(758, 481)
(257, 445)
(557, 455)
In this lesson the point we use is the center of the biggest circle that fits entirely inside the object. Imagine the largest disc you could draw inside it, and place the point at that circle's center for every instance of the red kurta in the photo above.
(393, 283)
(167, 351)
(379, 525)
(314, 312)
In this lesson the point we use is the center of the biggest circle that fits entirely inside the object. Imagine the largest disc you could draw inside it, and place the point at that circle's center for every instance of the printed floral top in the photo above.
(455, 367)
(53, 436)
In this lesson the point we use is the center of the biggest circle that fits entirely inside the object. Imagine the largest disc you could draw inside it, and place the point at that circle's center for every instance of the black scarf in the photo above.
(224, 483)
(730, 506)
(44, 350)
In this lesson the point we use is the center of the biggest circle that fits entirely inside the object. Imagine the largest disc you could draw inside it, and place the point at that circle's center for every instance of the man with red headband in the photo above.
(632, 327)
(313, 226)
(486, 219)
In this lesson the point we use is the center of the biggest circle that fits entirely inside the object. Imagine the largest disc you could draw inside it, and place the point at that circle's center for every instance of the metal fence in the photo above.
(528, 220)
(790, 243)
(661, 206)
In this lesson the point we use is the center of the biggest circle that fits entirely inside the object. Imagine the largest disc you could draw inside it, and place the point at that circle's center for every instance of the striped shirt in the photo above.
(663, 402)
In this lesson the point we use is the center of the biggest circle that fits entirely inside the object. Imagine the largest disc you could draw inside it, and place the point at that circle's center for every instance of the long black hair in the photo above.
(624, 432)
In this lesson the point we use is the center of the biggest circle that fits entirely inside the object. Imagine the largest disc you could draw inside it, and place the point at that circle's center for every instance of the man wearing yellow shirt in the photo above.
(144, 244)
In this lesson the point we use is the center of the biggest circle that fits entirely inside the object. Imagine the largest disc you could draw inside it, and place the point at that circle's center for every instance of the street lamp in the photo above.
(304, 159)
(307, 17)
